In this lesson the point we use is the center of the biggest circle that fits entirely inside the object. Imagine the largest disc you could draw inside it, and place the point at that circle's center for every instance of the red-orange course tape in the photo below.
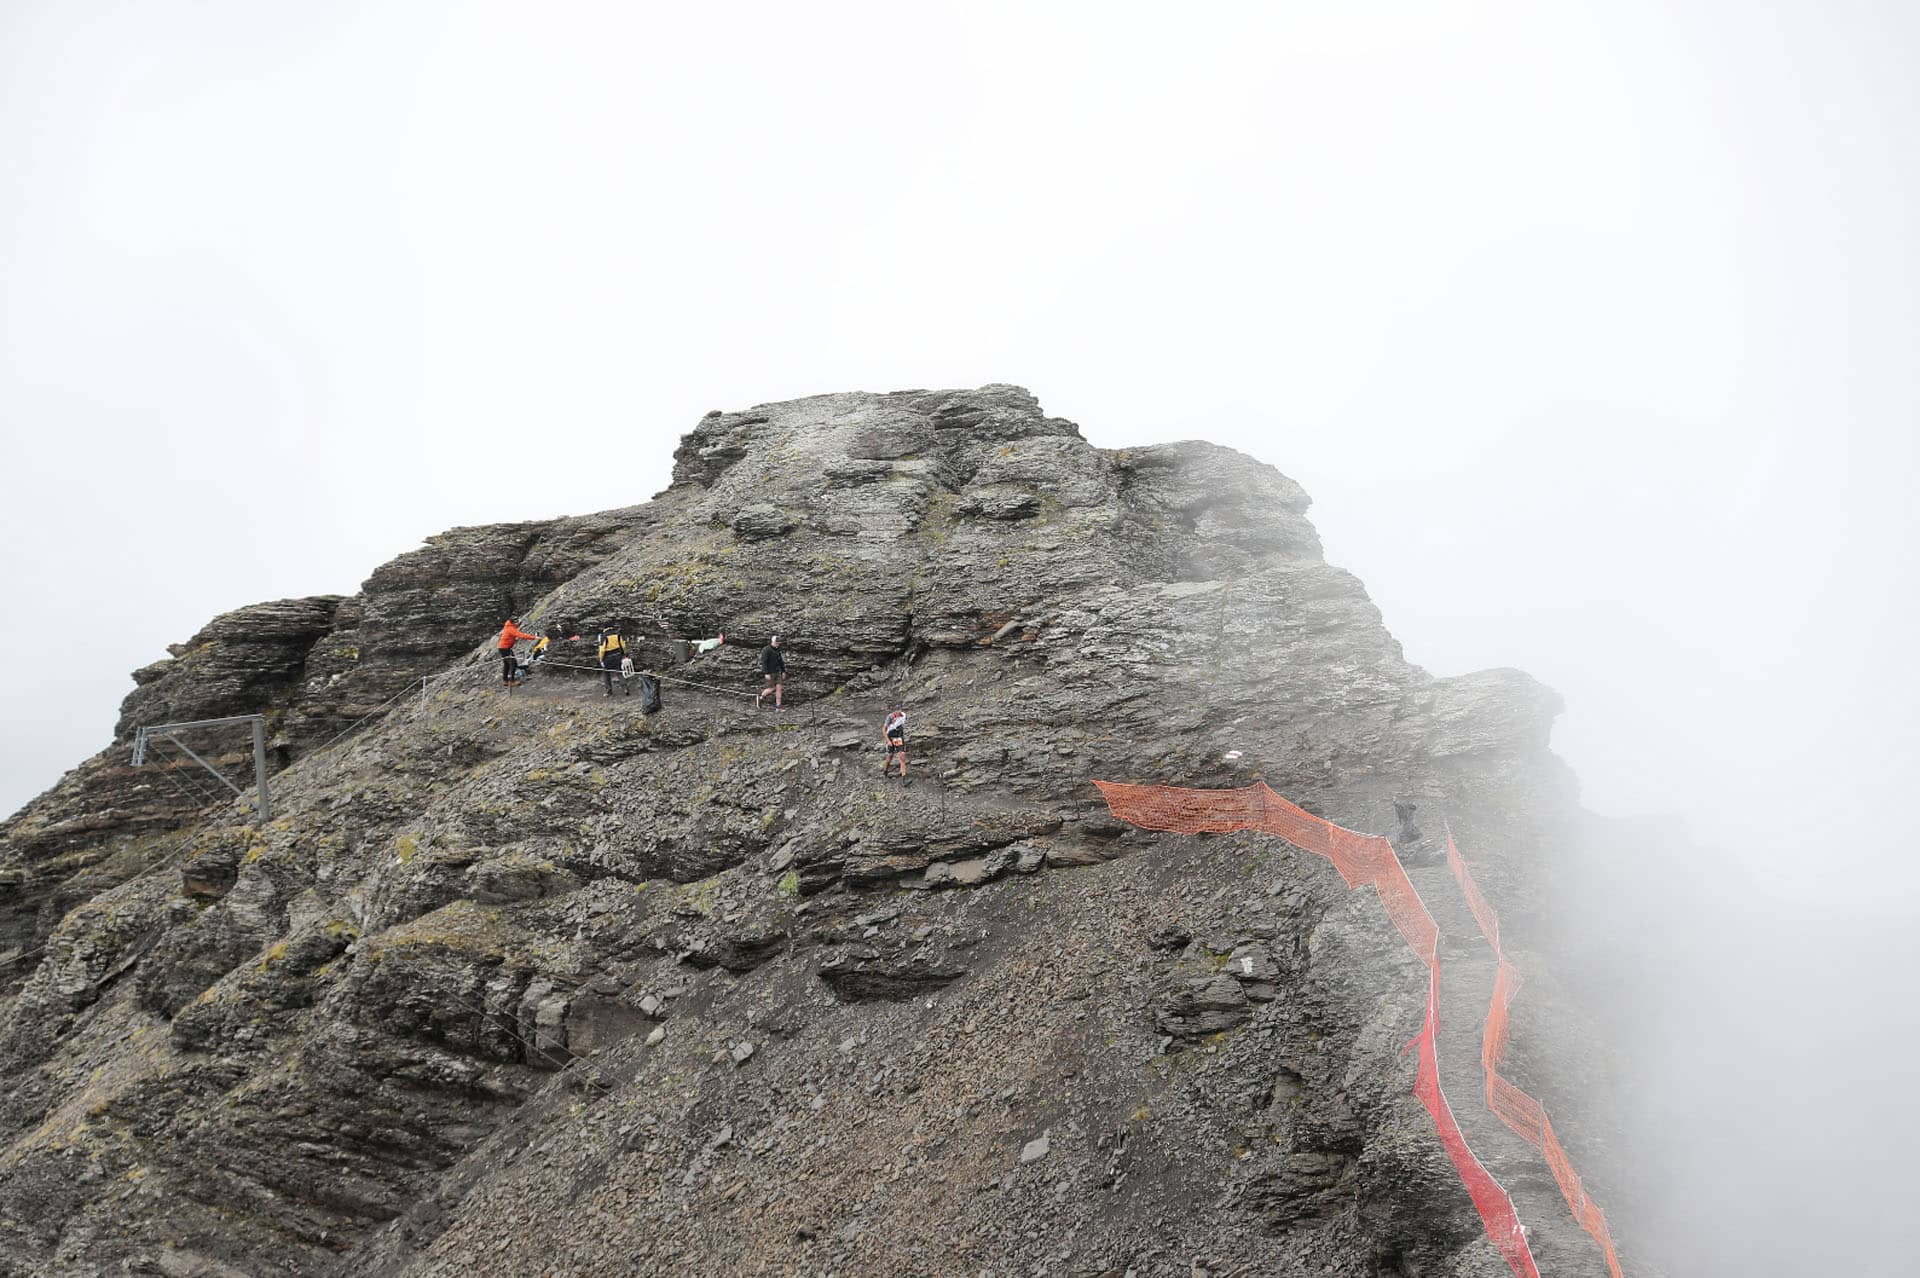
(1519, 1111)
(1368, 860)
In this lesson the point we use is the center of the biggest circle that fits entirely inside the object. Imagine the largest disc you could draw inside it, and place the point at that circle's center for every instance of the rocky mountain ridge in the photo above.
(531, 980)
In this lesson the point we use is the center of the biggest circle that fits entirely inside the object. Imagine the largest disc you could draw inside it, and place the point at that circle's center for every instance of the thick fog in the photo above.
(1591, 330)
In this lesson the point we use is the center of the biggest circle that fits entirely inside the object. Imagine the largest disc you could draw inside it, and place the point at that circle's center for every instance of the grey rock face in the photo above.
(506, 964)
(314, 666)
(240, 662)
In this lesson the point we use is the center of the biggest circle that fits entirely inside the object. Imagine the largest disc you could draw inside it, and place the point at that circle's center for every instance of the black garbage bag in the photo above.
(650, 702)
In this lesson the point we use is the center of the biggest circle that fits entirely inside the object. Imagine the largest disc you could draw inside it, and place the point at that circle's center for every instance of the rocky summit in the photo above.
(523, 980)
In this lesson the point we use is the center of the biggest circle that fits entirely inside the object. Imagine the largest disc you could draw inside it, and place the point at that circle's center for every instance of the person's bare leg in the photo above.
(779, 685)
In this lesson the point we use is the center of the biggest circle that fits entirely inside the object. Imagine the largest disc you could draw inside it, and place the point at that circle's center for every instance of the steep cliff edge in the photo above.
(529, 980)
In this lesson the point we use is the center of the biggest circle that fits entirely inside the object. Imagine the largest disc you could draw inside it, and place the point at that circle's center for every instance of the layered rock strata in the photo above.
(531, 980)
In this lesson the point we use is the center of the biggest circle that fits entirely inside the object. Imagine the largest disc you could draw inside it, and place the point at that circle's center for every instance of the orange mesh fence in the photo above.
(1525, 1115)
(1502, 1222)
(1363, 860)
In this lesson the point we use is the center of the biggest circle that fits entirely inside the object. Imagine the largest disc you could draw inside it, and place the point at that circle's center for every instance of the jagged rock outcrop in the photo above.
(531, 981)
(239, 663)
(314, 666)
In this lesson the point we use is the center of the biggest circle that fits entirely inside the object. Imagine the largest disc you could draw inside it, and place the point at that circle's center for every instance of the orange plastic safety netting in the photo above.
(1525, 1115)
(1363, 860)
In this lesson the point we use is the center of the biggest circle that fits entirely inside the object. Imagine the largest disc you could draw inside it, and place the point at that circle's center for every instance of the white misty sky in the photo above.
(1589, 328)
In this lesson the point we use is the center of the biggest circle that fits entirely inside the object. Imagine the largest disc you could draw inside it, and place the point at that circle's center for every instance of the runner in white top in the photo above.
(894, 733)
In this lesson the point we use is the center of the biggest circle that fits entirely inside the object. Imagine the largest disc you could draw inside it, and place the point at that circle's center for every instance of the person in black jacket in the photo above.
(893, 735)
(773, 673)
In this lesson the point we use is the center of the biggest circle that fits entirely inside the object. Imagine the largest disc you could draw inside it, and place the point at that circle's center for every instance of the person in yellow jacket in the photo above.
(613, 649)
(538, 653)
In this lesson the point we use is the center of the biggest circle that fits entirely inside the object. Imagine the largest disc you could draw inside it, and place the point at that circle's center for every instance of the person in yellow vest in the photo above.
(893, 735)
(538, 653)
(612, 650)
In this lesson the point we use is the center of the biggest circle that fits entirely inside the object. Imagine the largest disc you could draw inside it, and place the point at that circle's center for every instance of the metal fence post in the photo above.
(262, 805)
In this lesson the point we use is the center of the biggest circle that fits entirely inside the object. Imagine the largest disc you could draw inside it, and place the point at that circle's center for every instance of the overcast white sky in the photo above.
(1590, 328)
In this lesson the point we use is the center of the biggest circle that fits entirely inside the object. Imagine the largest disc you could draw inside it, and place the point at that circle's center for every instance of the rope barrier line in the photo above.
(1363, 860)
(1512, 1106)
(24, 954)
(406, 691)
(426, 681)
(417, 682)
(194, 793)
(572, 665)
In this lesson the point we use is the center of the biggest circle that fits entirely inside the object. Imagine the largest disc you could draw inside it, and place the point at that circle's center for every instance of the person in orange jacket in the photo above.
(509, 664)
